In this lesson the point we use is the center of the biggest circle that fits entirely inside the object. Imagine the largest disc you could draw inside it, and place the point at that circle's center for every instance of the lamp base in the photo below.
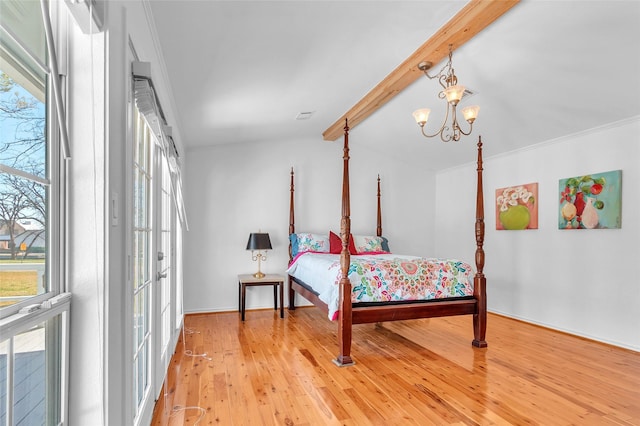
(258, 275)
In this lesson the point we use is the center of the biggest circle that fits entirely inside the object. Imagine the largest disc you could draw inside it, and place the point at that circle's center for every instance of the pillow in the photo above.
(293, 239)
(336, 244)
(385, 245)
(370, 244)
(301, 243)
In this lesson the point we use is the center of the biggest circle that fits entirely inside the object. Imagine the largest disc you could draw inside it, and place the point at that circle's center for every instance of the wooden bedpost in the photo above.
(292, 220)
(479, 281)
(292, 230)
(344, 304)
(379, 227)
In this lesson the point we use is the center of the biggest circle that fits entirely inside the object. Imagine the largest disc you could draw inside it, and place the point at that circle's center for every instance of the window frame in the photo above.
(50, 309)
(55, 182)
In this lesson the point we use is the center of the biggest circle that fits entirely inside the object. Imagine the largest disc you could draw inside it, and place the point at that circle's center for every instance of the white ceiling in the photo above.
(240, 71)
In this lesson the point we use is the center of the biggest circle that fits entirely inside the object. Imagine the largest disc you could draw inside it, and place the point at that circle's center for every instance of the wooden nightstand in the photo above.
(277, 281)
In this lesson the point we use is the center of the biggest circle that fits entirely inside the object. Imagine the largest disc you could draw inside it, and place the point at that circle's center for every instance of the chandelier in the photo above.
(452, 92)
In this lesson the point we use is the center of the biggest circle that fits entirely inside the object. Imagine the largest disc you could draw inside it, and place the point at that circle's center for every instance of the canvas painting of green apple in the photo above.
(517, 207)
(591, 201)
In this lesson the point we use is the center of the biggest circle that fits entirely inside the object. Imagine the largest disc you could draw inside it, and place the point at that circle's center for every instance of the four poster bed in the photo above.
(375, 285)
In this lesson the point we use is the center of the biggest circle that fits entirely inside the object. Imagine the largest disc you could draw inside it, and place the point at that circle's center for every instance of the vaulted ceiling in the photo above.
(240, 71)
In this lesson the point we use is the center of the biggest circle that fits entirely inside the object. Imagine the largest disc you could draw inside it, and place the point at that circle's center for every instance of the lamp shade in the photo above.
(421, 115)
(454, 94)
(259, 241)
(470, 113)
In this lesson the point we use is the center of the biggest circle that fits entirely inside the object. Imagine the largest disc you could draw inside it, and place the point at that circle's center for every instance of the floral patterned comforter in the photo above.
(384, 277)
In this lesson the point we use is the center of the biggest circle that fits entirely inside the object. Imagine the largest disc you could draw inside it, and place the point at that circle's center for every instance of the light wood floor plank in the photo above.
(269, 370)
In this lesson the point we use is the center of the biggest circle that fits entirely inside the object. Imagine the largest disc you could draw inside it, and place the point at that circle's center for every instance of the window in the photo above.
(33, 366)
(24, 155)
(33, 313)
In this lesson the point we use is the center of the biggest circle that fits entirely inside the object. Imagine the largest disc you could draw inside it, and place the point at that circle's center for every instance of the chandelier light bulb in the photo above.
(421, 116)
(454, 94)
(470, 113)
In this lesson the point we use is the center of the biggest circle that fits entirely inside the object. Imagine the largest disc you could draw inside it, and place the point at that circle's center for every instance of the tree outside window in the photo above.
(23, 201)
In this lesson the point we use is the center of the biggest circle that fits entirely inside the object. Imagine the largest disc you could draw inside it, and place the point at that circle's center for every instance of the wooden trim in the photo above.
(468, 22)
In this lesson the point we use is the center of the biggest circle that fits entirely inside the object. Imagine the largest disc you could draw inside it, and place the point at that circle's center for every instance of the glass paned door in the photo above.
(178, 276)
(141, 260)
(165, 260)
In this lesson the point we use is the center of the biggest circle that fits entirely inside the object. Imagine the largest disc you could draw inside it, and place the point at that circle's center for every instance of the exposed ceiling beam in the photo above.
(469, 21)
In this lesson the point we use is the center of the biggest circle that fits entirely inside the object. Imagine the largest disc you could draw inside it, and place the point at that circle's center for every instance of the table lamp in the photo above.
(258, 241)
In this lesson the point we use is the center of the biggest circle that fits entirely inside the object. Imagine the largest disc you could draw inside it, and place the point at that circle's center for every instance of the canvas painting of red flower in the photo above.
(591, 201)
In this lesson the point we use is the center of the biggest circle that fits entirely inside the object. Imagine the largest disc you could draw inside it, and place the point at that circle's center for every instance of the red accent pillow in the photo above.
(335, 244)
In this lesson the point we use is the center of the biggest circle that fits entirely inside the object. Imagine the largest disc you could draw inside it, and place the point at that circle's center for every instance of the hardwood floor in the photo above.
(269, 370)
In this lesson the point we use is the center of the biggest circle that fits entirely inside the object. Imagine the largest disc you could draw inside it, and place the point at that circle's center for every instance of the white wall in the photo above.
(233, 190)
(581, 282)
(85, 270)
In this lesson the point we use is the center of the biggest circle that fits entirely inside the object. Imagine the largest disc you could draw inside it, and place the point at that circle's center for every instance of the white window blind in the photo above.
(151, 110)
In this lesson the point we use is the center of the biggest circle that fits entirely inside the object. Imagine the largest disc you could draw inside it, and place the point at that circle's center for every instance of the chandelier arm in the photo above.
(468, 132)
(443, 127)
(443, 130)
(443, 80)
(455, 136)
(449, 137)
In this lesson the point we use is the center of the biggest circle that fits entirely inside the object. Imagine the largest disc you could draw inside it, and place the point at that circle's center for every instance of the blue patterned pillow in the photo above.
(385, 245)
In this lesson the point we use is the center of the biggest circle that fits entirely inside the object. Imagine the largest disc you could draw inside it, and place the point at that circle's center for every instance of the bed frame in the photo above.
(350, 314)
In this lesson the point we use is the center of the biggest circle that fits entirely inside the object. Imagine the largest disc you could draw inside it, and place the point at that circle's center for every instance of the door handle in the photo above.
(159, 276)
